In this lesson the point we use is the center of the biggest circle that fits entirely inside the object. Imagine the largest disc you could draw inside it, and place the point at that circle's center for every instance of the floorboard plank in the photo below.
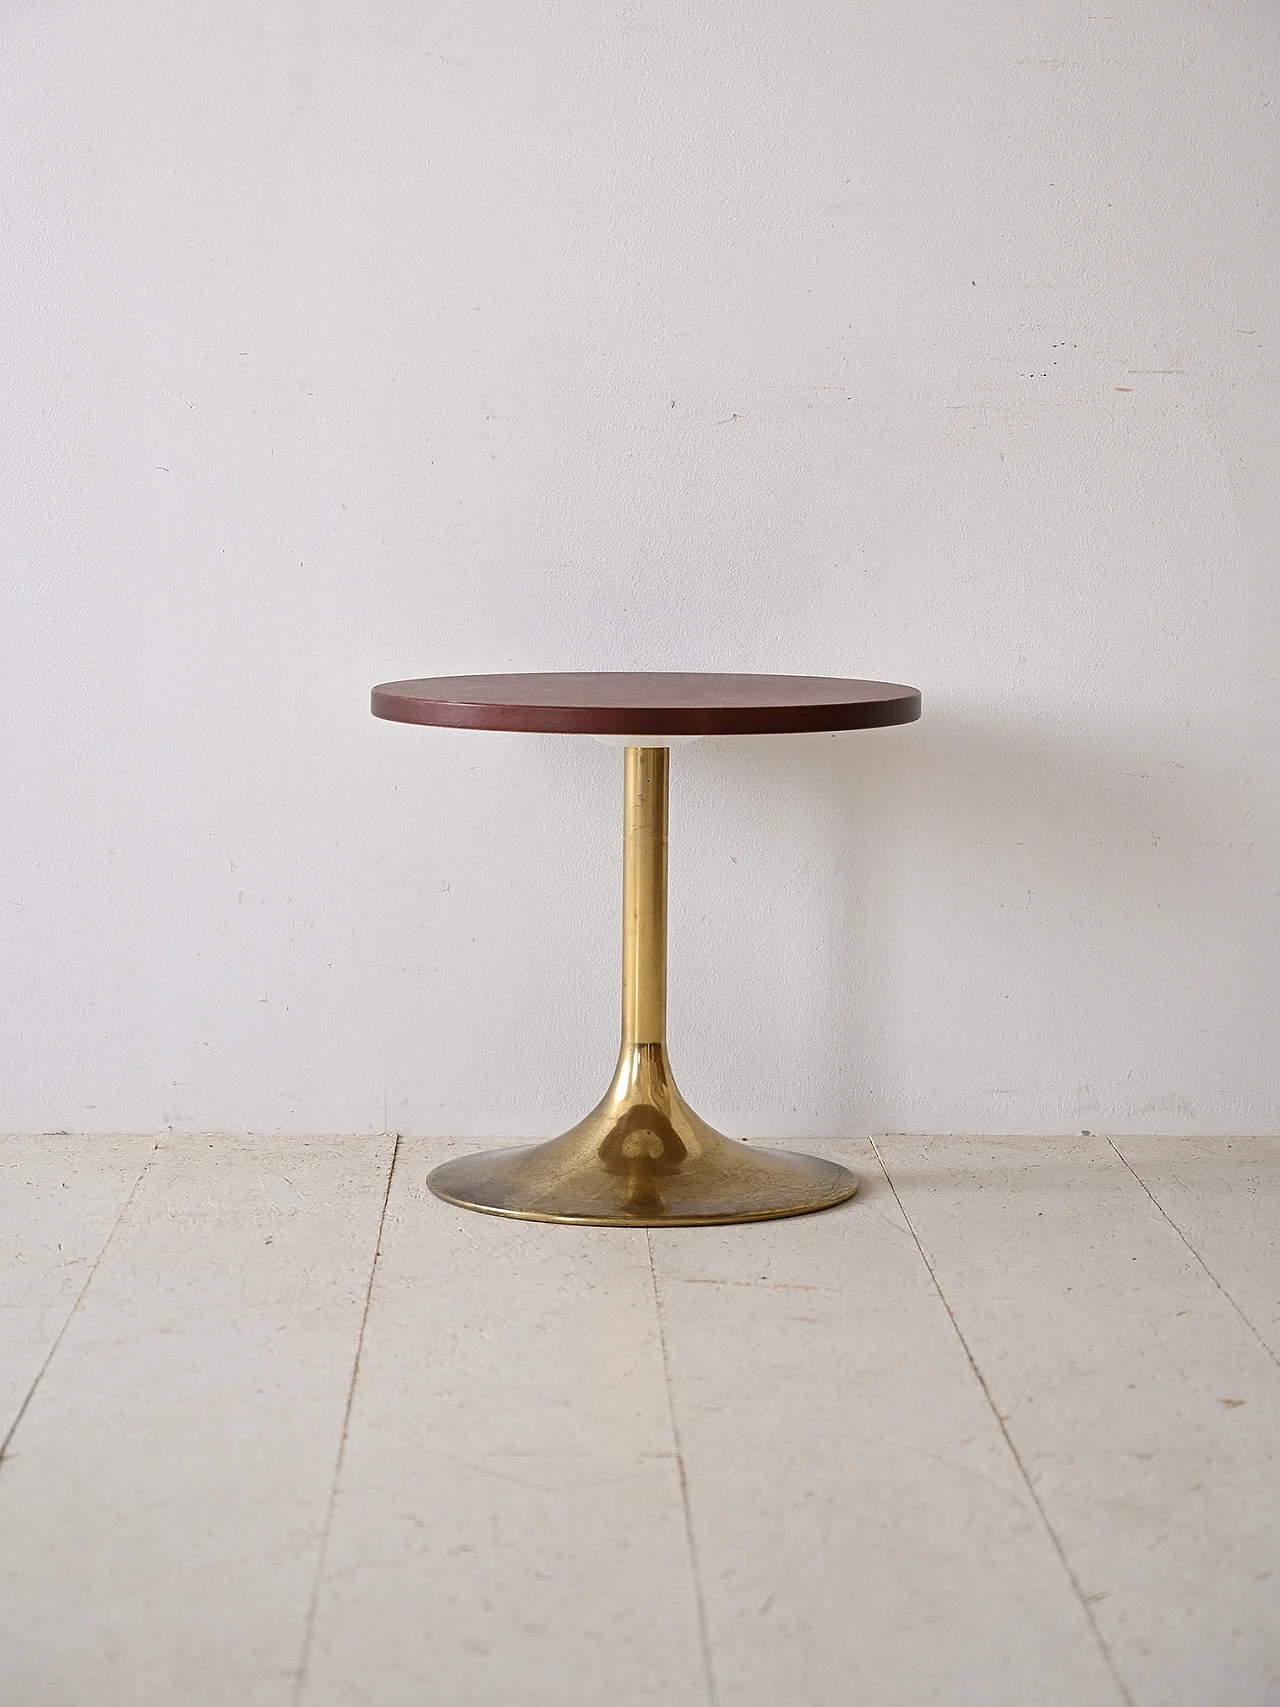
(1142, 1405)
(863, 1532)
(60, 1196)
(1223, 1195)
(508, 1529)
(163, 1501)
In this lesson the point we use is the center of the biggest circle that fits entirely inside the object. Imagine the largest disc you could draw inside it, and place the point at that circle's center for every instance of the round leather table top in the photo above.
(649, 703)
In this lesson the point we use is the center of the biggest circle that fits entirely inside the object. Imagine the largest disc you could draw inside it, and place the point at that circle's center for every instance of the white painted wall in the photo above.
(930, 340)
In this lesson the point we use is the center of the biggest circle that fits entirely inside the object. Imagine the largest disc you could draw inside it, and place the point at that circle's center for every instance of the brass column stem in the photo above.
(644, 898)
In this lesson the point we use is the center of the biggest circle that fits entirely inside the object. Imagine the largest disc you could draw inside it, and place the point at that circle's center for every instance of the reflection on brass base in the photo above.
(643, 1158)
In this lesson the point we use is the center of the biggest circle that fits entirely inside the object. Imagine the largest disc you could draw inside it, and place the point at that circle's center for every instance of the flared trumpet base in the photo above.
(643, 1158)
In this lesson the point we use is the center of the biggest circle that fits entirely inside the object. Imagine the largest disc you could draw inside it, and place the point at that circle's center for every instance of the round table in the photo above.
(642, 1157)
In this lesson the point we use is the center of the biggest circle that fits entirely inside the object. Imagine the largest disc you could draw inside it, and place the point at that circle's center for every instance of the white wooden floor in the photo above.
(283, 1429)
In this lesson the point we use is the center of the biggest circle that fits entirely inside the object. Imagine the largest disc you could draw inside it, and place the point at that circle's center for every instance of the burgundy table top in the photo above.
(602, 703)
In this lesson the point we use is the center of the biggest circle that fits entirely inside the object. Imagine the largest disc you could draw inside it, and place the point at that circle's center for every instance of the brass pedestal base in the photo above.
(643, 1158)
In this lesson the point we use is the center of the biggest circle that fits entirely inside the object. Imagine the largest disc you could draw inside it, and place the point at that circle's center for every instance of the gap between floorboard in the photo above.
(75, 1305)
(1003, 1426)
(313, 1602)
(1198, 1254)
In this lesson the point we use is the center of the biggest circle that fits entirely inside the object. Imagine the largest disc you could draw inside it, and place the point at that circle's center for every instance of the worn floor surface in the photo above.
(281, 1429)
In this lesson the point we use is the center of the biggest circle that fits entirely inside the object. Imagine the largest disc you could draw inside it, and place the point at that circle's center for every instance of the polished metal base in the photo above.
(643, 1158)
